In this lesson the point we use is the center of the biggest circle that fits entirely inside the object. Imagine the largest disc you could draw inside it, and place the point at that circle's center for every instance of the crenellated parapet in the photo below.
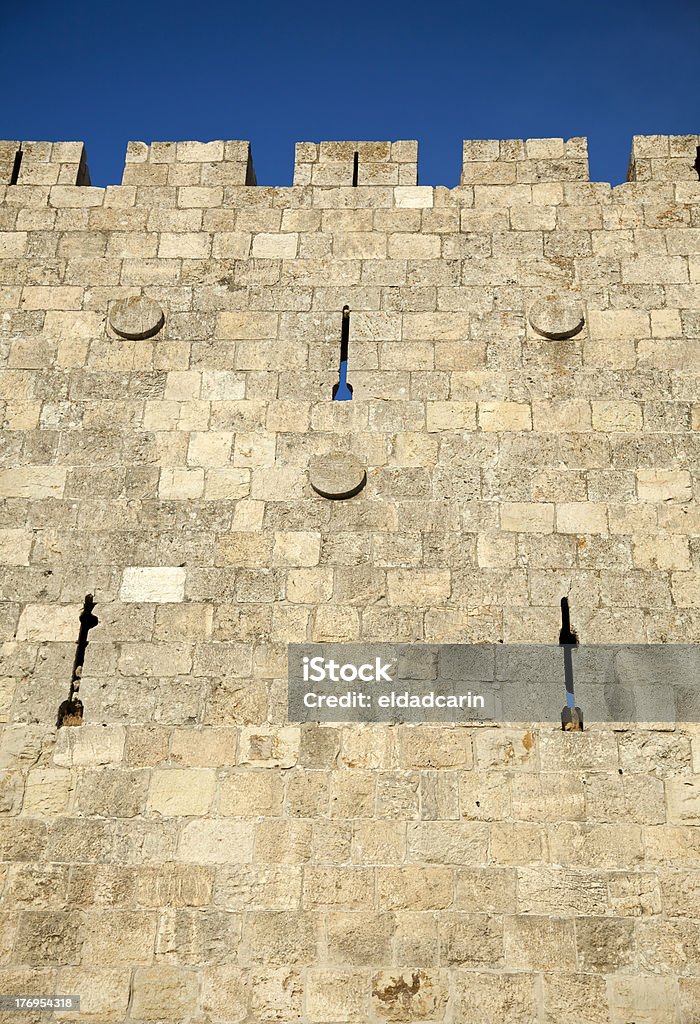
(664, 158)
(43, 163)
(189, 163)
(498, 171)
(356, 163)
(523, 161)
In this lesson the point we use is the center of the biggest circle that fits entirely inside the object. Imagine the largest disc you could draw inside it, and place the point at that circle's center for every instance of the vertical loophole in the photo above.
(14, 177)
(355, 168)
(70, 711)
(342, 391)
(696, 165)
(571, 716)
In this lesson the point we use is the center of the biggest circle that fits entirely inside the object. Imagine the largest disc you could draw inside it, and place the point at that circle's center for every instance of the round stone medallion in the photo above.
(557, 316)
(136, 317)
(337, 476)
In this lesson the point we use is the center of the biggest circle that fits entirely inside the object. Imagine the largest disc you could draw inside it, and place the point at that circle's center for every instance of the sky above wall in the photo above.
(278, 73)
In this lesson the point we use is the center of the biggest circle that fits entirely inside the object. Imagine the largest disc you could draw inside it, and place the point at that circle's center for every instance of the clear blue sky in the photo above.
(277, 73)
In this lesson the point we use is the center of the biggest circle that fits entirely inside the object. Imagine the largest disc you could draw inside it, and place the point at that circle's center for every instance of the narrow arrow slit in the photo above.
(342, 391)
(355, 168)
(70, 711)
(571, 716)
(14, 177)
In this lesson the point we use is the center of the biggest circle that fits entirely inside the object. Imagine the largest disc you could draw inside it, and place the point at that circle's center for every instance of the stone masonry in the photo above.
(524, 353)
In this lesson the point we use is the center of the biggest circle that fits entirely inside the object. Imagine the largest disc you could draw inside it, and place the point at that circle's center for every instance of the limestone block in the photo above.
(424, 747)
(661, 551)
(226, 483)
(663, 485)
(104, 992)
(181, 484)
(90, 745)
(275, 246)
(506, 748)
(276, 994)
(136, 317)
(153, 584)
(447, 842)
(266, 746)
(48, 792)
(683, 800)
(49, 622)
(410, 995)
(119, 937)
(643, 998)
(181, 791)
(413, 246)
(558, 316)
(251, 794)
(337, 996)
(413, 196)
(420, 587)
(485, 889)
(204, 748)
(527, 517)
(162, 992)
(625, 416)
(495, 997)
(216, 841)
(224, 993)
(581, 517)
(378, 842)
(498, 416)
(442, 416)
(33, 482)
(297, 548)
(110, 792)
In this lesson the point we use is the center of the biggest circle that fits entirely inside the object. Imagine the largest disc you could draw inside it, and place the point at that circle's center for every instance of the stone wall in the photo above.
(525, 356)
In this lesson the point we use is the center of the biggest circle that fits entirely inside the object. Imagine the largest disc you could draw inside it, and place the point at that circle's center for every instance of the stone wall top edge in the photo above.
(345, 163)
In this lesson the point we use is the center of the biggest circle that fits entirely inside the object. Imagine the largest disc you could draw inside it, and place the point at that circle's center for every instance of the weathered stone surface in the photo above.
(136, 317)
(557, 316)
(153, 584)
(189, 854)
(337, 476)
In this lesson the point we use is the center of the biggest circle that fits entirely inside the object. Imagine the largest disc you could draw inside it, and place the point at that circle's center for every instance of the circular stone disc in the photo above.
(557, 316)
(136, 317)
(337, 476)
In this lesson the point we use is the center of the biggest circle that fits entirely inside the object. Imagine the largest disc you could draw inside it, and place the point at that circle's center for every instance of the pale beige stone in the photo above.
(216, 841)
(49, 622)
(48, 792)
(581, 517)
(153, 584)
(32, 482)
(181, 791)
(163, 991)
(683, 800)
(527, 517)
(625, 416)
(450, 416)
(90, 745)
(413, 196)
(15, 546)
(275, 247)
(663, 485)
(298, 548)
(504, 416)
